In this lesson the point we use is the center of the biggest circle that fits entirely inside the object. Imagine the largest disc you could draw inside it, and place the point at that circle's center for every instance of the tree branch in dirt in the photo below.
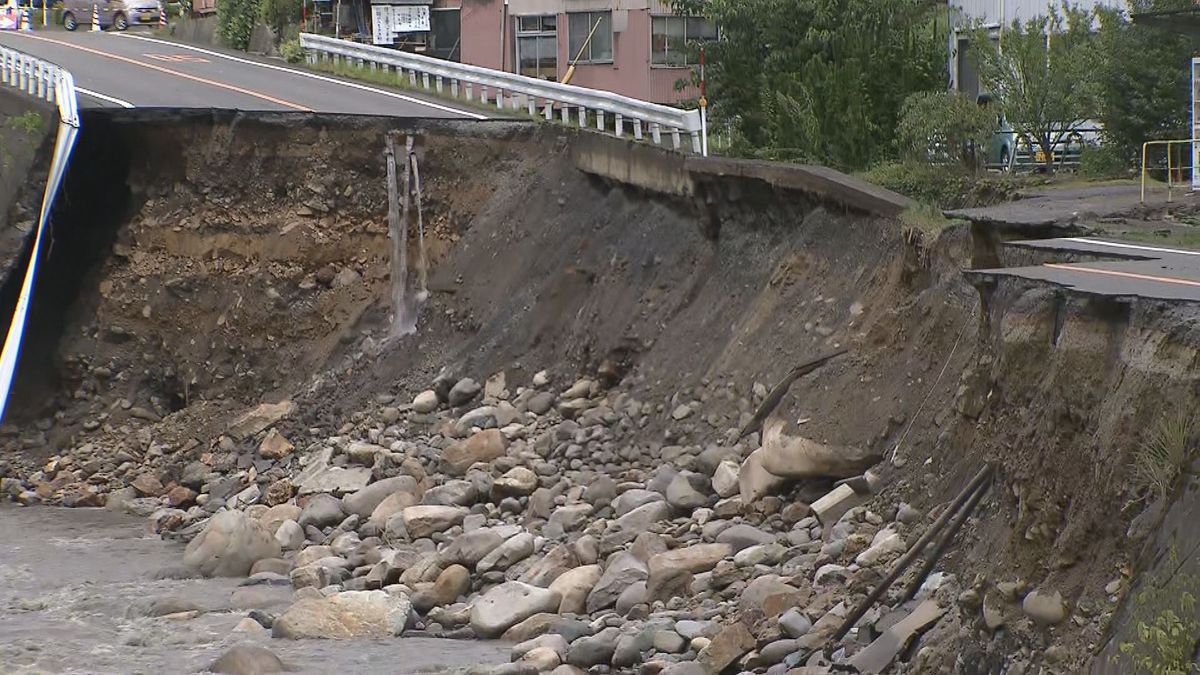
(776, 395)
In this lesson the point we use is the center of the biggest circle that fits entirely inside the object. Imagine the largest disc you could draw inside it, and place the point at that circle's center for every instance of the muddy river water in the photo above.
(76, 586)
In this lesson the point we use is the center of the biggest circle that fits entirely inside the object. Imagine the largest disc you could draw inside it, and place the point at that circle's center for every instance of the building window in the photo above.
(537, 46)
(600, 48)
(670, 35)
(445, 34)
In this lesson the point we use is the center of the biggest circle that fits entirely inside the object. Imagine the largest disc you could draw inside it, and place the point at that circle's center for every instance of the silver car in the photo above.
(116, 14)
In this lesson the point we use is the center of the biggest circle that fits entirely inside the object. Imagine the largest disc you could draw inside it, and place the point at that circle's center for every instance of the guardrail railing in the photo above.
(56, 85)
(589, 108)
(1178, 164)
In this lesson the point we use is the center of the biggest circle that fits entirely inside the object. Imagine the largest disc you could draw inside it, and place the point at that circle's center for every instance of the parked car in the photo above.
(116, 14)
(1009, 150)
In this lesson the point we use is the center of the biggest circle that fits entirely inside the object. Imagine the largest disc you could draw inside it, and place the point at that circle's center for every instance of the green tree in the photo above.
(1143, 74)
(235, 22)
(1041, 72)
(279, 14)
(944, 126)
(819, 80)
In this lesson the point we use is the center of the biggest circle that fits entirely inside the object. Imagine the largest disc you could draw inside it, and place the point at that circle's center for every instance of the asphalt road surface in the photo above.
(136, 70)
(1118, 269)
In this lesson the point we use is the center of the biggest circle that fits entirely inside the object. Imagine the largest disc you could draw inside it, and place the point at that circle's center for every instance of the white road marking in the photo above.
(104, 97)
(312, 76)
(1118, 244)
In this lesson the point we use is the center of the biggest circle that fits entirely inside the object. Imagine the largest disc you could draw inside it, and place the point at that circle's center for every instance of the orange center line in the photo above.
(176, 73)
(1125, 275)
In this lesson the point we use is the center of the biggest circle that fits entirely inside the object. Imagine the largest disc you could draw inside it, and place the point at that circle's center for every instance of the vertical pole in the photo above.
(1000, 40)
(703, 109)
(394, 231)
(503, 37)
(1169, 172)
(1195, 126)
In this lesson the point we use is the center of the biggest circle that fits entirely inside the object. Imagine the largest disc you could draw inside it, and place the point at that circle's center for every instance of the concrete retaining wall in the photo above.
(660, 170)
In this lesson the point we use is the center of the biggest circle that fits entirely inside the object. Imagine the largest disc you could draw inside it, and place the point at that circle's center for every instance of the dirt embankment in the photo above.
(26, 139)
(246, 261)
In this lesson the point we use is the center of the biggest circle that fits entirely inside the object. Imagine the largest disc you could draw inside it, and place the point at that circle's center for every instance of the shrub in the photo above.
(1103, 161)
(1159, 460)
(291, 51)
(235, 22)
(1165, 623)
(29, 122)
(278, 14)
(944, 126)
(945, 187)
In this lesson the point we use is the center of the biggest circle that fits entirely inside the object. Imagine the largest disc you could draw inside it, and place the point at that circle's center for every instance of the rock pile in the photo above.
(531, 516)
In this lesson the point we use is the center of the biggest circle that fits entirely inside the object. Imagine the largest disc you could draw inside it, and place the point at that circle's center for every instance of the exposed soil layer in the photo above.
(249, 264)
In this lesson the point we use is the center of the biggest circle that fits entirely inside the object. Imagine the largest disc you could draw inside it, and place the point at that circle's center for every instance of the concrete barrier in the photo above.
(659, 170)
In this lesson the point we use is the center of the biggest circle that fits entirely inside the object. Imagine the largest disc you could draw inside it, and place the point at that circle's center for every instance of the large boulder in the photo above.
(725, 478)
(275, 516)
(624, 570)
(632, 499)
(742, 536)
(574, 586)
(695, 559)
(754, 481)
(321, 476)
(424, 520)
(365, 500)
(349, 614)
(483, 446)
(229, 545)
(468, 549)
(247, 660)
(391, 505)
(799, 457)
(688, 491)
(517, 482)
(514, 549)
(322, 510)
(509, 604)
(554, 564)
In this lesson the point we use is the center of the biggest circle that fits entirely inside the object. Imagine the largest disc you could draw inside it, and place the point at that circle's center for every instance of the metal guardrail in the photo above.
(40, 79)
(56, 85)
(1183, 168)
(589, 108)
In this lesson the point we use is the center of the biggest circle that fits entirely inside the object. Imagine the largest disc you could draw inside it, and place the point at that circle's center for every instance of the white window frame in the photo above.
(687, 39)
(536, 36)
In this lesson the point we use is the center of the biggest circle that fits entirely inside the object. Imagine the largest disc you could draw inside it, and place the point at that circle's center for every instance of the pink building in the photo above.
(637, 48)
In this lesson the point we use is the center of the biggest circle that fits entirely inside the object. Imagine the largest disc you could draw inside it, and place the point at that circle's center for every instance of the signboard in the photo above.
(10, 18)
(381, 23)
(390, 20)
(1196, 124)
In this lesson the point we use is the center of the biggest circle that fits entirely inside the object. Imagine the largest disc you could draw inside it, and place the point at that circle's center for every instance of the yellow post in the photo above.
(1144, 148)
(1168, 172)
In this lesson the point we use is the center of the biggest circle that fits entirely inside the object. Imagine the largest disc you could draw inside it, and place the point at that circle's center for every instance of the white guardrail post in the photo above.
(494, 87)
(55, 85)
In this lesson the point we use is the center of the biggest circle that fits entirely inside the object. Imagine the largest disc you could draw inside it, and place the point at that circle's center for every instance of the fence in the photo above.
(1174, 164)
(55, 85)
(589, 108)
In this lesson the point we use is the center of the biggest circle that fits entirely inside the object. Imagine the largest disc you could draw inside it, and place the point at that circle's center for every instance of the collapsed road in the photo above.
(555, 458)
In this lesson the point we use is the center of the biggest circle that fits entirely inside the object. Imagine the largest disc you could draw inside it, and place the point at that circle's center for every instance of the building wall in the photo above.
(1005, 11)
(630, 74)
(965, 13)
